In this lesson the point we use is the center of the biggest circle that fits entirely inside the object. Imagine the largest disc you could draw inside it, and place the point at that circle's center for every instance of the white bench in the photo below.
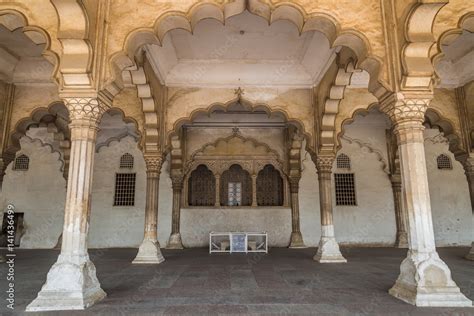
(230, 242)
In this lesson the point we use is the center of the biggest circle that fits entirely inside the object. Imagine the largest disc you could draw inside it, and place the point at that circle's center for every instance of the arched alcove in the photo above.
(269, 187)
(238, 183)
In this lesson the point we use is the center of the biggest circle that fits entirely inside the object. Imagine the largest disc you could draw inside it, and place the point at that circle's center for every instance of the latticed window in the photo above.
(343, 162)
(444, 162)
(269, 187)
(202, 187)
(125, 189)
(22, 162)
(235, 174)
(345, 189)
(126, 161)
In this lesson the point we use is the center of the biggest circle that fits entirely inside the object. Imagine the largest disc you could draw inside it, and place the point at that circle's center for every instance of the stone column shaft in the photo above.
(217, 202)
(328, 250)
(469, 170)
(149, 251)
(175, 237)
(72, 282)
(400, 215)
(424, 280)
(254, 190)
(296, 240)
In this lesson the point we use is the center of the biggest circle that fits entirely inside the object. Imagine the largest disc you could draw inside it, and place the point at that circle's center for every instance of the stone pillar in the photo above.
(424, 280)
(175, 238)
(149, 251)
(469, 170)
(254, 191)
(217, 203)
(400, 216)
(72, 282)
(296, 237)
(328, 249)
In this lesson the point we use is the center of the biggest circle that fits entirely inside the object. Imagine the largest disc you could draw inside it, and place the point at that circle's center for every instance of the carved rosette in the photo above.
(153, 163)
(85, 110)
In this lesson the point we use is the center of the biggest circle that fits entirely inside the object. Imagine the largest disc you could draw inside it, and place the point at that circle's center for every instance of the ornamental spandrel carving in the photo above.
(153, 163)
(85, 109)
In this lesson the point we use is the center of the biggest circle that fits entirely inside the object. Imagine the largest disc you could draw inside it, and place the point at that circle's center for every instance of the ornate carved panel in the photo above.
(269, 187)
(201, 187)
(236, 174)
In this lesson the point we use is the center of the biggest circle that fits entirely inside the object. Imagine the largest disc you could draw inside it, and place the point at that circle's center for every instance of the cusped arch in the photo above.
(248, 105)
(416, 54)
(466, 23)
(13, 19)
(131, 55)
(435, 119)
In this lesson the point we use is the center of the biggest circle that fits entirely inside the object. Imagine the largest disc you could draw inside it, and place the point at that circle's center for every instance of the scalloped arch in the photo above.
(244, 139)
(131, 54)
(12, 20)
(436, 119)
(335, 94)
(35, 118)
(466, 23)
(248, 105)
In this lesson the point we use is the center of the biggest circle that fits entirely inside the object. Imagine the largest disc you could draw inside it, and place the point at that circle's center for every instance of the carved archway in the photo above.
(13, 20)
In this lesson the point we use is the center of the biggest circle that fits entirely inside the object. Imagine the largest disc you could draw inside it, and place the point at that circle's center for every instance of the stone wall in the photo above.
(40, 194)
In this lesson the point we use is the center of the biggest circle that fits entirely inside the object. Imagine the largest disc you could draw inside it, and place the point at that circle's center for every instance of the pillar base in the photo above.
(328, 251)
(470, 255)
(296, 240)
(175, 242)
(149, 253)
(425, 280)
(71, 284)
(402, 240)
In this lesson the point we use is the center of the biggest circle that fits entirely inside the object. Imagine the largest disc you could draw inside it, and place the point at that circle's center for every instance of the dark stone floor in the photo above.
(284, 282)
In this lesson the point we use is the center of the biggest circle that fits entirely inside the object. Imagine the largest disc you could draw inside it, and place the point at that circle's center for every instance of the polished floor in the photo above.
(284, 282)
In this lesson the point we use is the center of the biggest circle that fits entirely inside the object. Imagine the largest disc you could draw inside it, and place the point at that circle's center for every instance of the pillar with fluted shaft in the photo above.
(469, 170)
(328, 249)
(72, 282)
(217, 202)
(296, 240)
(254, 190)
(401, 240)
(149, 251)
(175, 238)
(424, 280)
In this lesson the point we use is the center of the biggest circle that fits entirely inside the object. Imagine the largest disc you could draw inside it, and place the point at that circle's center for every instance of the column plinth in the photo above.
(296, 240)
(174, 241)
(424, 280)
(328, 249)
(72, 283)
(149, 251)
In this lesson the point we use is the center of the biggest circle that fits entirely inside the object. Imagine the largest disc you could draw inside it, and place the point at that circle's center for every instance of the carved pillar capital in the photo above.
(324, 165)
(407, 112)
(294, 184)
(406, 107)
(177, 182)
(153, 163)
(83, 110)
